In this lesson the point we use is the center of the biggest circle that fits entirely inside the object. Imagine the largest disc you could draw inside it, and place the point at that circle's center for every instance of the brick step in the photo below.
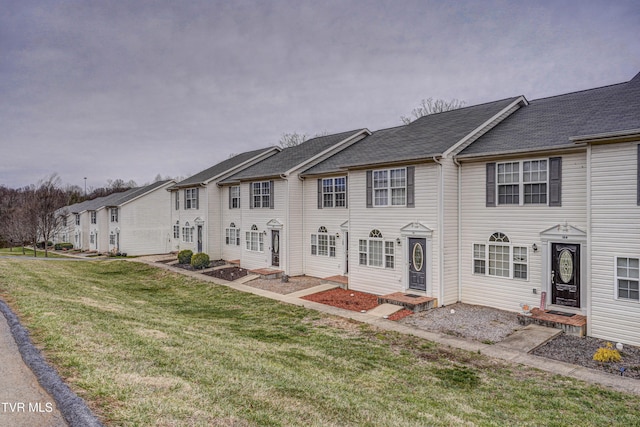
(572, 325)
(267, 273)
(409, 301)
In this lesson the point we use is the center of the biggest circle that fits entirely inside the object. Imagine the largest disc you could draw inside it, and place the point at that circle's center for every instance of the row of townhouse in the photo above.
(133, 222)
(493, 204)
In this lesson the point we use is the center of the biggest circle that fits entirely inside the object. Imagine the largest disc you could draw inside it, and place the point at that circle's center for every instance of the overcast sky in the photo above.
(132, 89)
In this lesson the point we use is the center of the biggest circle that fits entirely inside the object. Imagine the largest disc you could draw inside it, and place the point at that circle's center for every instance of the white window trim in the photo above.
(510, 245)
(77, 219)
(261, 194)
(187, 233)
(235, 198)
(616, 292)
(521, 183)
(113, 213)
(331, 243)
(334, 193)
(190, 198)
(389, 188)
(232, 236)
(94, 217)
(259, 239)
(383, 253)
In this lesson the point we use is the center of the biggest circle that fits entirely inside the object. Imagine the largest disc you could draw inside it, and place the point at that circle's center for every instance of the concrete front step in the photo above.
(576, 324)
(409, 301)
(267, 273)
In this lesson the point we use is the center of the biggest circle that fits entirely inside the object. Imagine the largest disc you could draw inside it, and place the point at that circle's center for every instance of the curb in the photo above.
(74, 410)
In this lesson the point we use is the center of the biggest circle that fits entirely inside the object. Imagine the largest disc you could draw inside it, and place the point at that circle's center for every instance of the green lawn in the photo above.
(148, 347)
(17, 251)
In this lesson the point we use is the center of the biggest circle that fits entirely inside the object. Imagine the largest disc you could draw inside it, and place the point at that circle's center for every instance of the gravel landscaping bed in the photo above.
(296, 283)
(580, 351)
(484, 324)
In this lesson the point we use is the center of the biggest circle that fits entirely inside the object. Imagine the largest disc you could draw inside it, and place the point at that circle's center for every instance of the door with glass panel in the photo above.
(417, 264)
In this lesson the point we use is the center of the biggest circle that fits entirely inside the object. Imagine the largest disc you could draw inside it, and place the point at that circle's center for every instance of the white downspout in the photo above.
(589, 239)
(440, 232)
(457, 163)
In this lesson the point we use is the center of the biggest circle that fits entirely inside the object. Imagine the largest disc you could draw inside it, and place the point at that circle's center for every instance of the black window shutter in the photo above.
(491, 184)
(185, 200)
(251, 195)
(411, 199)
(346, 191)
(178, 200)
(230, 203)
(271, 201)
(369, 189)
(638, 172)
(239, 198)
(197, 198)
(555, 181)
(319, 193)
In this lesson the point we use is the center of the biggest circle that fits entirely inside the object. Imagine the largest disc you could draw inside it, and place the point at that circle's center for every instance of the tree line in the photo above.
(29, 215)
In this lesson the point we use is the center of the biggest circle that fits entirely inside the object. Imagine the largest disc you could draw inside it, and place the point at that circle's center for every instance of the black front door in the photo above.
(275, 248)
(417, 264)
(565, 274)
(199, 238)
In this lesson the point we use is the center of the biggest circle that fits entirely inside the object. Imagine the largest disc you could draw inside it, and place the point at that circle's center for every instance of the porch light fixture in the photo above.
(534, 247)
(337, 235)
(398, 241)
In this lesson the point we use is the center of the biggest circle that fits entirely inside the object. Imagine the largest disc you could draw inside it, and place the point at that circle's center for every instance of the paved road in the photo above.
(22, 401)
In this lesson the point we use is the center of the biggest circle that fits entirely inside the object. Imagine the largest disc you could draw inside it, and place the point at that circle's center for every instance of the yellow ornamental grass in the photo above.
(607, 354)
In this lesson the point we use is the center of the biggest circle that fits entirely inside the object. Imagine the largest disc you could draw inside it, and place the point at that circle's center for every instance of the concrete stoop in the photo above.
(415, 303)
(267, 273)
(574, 324)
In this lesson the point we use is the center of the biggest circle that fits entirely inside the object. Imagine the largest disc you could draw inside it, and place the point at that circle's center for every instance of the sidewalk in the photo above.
(510, 350)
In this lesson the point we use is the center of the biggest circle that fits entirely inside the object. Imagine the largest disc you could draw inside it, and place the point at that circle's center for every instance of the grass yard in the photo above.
(144, 346)
(17, 251)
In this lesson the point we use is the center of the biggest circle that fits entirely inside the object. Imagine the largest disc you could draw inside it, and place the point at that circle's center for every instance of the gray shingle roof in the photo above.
(423, 138)
(548, 123)
(222, 167)
(113, 199)
(291, 157)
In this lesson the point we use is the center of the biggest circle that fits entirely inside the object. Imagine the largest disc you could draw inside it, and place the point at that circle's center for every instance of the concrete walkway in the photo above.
(514, 350)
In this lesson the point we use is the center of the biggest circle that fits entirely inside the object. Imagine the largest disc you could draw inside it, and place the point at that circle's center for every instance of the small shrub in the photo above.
(63, 246)
(607, 354)
(40, 245)
(184, 256)
(200, 261)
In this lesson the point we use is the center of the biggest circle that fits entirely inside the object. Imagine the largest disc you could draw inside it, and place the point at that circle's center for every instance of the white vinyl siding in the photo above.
(615, 235)
(523, 224)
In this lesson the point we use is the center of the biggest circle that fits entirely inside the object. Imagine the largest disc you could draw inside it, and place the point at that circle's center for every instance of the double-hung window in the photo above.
(232, 235)
(93, 217)
(77, 219)
(499, 258)
(176, 230)
(522, 182)
(375, 251)
(191, 198)
(261, 194)
(323, 243)
(334, 192)
(390, 187)
(254, 240)
(628, 278)
(234, 197)
(187, 233)
(114, 214)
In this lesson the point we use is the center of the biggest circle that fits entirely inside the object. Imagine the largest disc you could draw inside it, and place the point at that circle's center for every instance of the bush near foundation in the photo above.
(607, 354)
(200, 261)
(184, 256)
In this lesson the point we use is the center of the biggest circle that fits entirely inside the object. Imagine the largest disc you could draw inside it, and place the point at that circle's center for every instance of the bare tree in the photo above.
(432, 106)
(292, 139)
(49, 198)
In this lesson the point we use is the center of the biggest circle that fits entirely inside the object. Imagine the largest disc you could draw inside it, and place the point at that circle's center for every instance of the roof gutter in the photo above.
(607, 137)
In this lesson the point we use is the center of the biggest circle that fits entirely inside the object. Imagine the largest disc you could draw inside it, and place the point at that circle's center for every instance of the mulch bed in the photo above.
(229, 274)
(343, 298)
(400, 314)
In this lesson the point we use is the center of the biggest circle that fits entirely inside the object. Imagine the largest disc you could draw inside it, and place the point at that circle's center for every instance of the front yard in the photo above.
(144, 346)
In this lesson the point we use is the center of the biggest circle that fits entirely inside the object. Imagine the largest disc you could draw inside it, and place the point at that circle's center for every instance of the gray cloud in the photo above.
(119, 90)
